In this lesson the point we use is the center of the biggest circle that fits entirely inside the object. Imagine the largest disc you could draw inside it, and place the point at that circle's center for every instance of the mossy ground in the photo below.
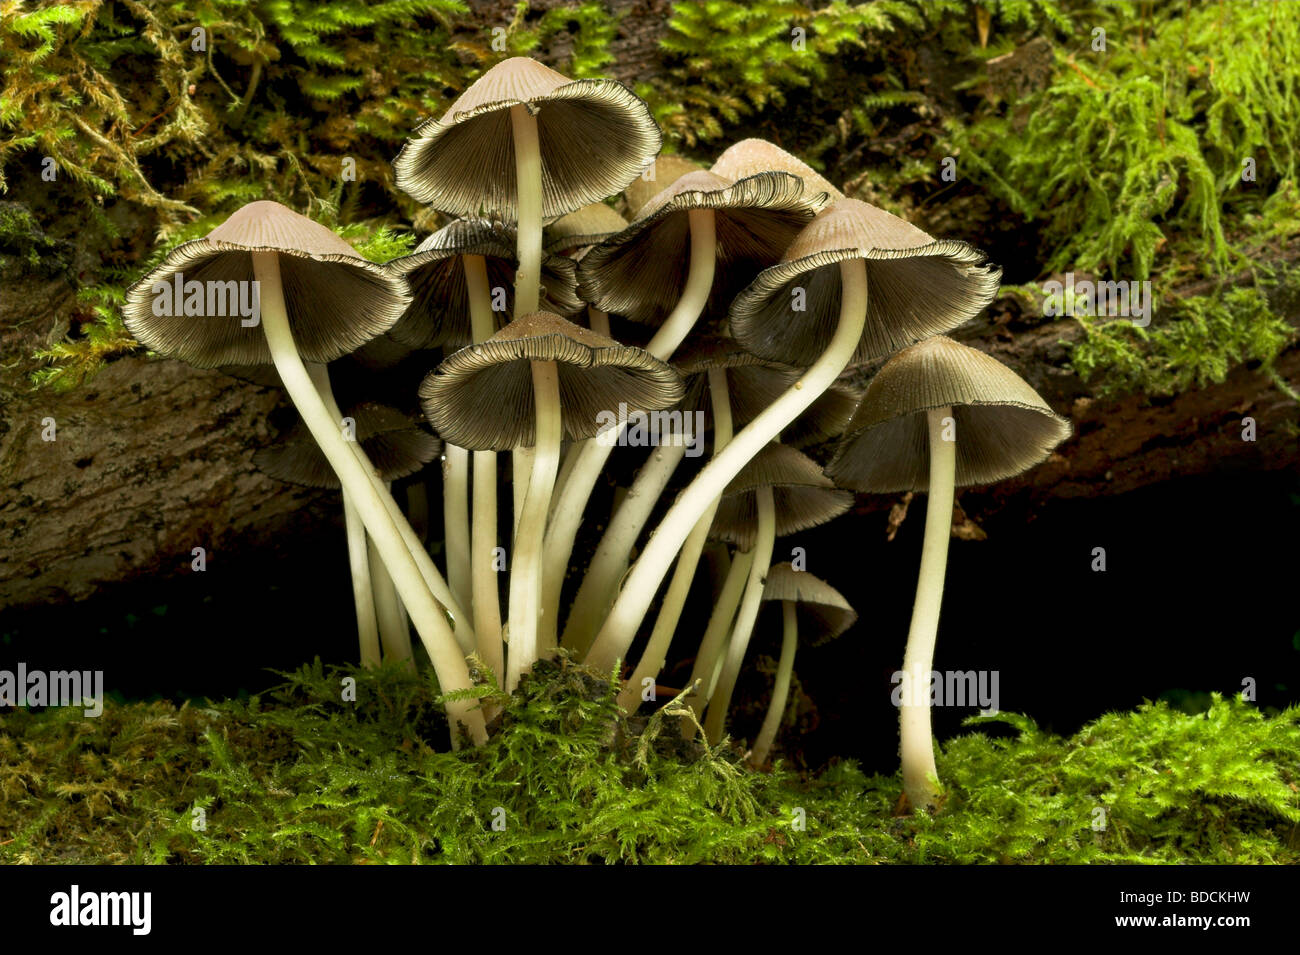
(301, 776)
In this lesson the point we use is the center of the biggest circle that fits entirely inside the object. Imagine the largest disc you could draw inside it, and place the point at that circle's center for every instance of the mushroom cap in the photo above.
(753, 384)
(916, 287)
(666, 170)
(439, 314)
(595, 136)
(336, 300)
(593, 223)
(1003, 427)
(804, 497)
(823, 613)
(752, 156)
(640, 273)
(396, 446)
(481, 397)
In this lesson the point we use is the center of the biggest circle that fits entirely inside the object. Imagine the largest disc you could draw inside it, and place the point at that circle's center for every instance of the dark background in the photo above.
(1198, 594)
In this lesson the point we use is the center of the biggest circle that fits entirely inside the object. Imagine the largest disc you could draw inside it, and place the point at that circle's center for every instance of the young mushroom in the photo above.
(813, 310)
(318, 300)
(939, 415)
(811, 611)
(779, 492)
(538, 379)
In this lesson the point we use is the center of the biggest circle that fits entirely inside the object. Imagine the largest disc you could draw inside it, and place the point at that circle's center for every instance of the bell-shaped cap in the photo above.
(641, 272)
(193, 305)
(592, 224)
(917, 286)
(595, 136)
(752, 386)
(803, 496)
(439, 313)
(665, 170)
(749, 157)
(822, 613)
(1001, 425)
(395, 445)
(481, 397)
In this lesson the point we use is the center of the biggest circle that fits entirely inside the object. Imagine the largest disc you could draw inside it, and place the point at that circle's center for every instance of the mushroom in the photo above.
(661, 270)
(575, 233)
(777, 493)
(336, 301)
(751, 156)
(398, 448)
(920, 287)
(507, 144)
(825, 615)
(537, 379)
(451, 275)
(939, 415)
(666, 170)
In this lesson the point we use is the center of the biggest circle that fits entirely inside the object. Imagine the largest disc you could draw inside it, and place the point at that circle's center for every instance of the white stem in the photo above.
(392, 618)
(528, 179)
(448, 661)
(710, 655)
(521, 461)
(716, 721)
(642, 583)
(362, 597)
(655, 655)
(608, 564)
(920, 777)
(455, 512)
(319, 375)
(591, 461)
(486, 595)
(526, 565)
(781, 688)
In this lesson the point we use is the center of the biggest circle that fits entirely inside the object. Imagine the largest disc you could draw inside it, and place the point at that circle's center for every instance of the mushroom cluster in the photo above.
(586, 286)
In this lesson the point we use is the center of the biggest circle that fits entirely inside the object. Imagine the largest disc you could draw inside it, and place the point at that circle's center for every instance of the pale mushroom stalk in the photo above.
(456, 533)
(920, 777)
(392, 618)
(433, 580)
(528, 236)
(362, 595)
(781, 688)
(764, 539)
(521, 464)
(610, 560)
(483, 576)
(670, 611)
(526, 566)
(591, 461)
(643, 581)
(712, 648)
(445, 654)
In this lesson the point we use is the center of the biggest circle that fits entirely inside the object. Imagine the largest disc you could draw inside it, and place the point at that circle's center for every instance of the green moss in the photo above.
(302, 776)
(1194, 343)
